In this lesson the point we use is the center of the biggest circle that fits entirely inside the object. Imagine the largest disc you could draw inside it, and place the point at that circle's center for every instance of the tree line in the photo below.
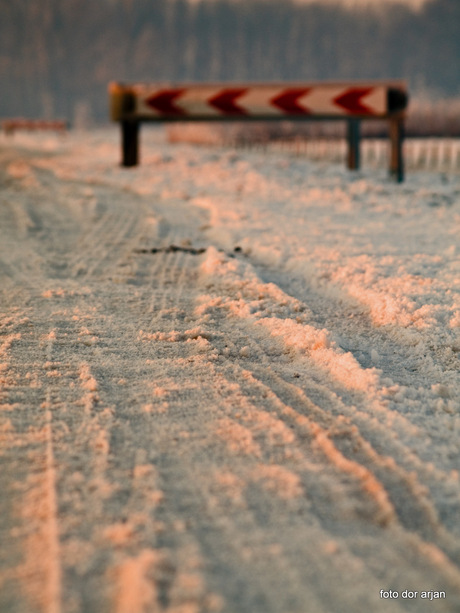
(57, 57)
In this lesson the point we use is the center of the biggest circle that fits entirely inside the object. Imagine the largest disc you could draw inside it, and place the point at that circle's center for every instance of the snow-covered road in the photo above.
(229, 382)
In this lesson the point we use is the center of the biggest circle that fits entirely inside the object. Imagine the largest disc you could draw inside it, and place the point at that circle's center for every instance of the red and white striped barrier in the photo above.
(131, 104)
(259, 101)
(202, 101)
(10, 126)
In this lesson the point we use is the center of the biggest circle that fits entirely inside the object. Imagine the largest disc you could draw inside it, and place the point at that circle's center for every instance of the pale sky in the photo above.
(416, 4)
(411, 3)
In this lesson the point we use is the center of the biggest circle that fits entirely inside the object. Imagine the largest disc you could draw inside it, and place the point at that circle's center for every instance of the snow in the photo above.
(229, 381)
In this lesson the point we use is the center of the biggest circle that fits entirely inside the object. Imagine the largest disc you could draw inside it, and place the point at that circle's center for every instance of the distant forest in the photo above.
(57, 56)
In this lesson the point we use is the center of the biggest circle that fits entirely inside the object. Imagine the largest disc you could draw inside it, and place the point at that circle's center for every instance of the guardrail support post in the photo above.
(353, 139)
(130, 143)
(396, 154)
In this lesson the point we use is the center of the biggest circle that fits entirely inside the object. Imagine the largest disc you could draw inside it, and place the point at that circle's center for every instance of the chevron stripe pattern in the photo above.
(264, 101)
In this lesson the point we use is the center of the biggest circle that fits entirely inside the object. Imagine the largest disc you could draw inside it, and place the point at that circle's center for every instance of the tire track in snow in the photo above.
(53, 587)
(403, 355)
(238, 437)
(20, 262)
(356, 434)
(398, 490)
(379, 409)
(426, 518)
(195, 470)
(184, 488)
(182, 481)
(117, 243)
(85, 435)
(100, 252)
(92, 246)
(406, 427)
(35, 504)
(165, 333)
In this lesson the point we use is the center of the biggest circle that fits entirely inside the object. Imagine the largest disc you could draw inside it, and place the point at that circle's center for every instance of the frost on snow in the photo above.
(229, 381)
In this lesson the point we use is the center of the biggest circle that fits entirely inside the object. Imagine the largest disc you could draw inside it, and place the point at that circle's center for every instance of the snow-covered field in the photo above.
(229, 382)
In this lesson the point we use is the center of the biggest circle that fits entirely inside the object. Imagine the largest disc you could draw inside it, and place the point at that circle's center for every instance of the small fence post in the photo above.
(130, 143)
(396, 154)
(353, 139)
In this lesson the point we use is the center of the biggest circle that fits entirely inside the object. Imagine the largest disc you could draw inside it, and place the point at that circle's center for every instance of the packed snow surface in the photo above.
(229, 382)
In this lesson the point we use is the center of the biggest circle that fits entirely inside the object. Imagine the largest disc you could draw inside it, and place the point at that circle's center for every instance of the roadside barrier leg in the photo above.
(353, 139)
(130, 143)
(396, 154)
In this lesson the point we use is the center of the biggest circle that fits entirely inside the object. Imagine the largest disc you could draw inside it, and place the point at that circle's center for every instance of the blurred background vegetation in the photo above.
(56, 57)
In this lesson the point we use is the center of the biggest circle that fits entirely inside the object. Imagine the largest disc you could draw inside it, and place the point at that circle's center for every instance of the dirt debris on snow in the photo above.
(262, 417)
